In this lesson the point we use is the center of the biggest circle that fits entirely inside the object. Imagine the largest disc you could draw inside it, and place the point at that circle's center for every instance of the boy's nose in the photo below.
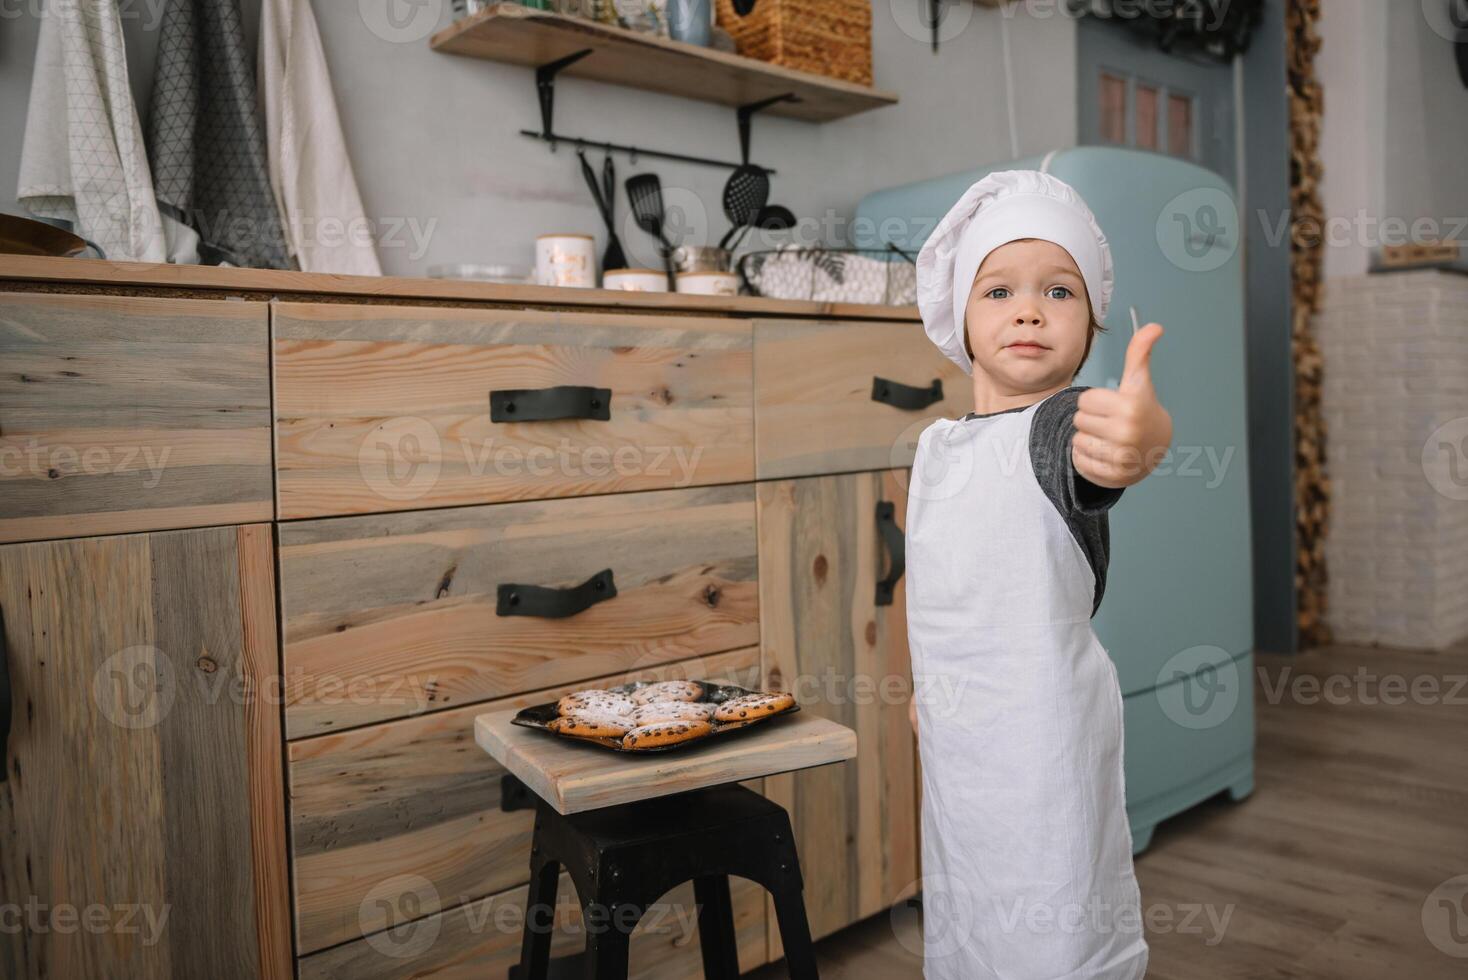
(1022, 320)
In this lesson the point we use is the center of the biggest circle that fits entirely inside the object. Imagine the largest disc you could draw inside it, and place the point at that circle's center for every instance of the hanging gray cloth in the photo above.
(205, 143)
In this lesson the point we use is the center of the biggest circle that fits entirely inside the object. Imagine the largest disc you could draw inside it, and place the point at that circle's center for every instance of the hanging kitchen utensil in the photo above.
(613, 257)
(645, 192)
(617, 260)
(609, 183)
(748, 187)
(775, 217)
(744, 195)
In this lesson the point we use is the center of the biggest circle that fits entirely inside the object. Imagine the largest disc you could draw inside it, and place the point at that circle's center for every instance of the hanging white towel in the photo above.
(83, 160)
(321, 210)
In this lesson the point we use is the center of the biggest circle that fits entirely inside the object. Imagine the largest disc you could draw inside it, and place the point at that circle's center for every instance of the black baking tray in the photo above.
(540, 715)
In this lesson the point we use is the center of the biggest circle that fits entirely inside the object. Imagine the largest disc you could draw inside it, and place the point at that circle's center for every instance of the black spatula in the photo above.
(645, 192)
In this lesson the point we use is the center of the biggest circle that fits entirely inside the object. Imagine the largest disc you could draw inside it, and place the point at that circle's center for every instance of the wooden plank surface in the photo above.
(573, 777)
(522, 35)
(384, 408)
(44, 271)
(856, 826)
(260, 687)
(396, 615)
(378, 810)
(480, 940)
(131, 413)
(137, 786)
(814, 411)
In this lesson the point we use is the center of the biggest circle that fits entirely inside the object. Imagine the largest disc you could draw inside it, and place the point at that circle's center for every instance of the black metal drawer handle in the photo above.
(548, 603)
(546, 404)
(906, 397)
(4, 703)
(896, 547)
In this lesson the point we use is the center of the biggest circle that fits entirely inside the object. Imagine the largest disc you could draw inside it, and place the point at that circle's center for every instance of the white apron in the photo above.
(1026, 850)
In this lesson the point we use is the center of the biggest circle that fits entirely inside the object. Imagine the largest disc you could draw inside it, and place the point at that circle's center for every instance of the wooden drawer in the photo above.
(399, 614)
(131, 414)
(481, 940)
(816, 406)
(383, 811)
(383, 408)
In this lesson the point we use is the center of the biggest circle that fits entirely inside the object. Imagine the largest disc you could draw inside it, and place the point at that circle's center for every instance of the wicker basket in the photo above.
(824, 37)
(832, 275)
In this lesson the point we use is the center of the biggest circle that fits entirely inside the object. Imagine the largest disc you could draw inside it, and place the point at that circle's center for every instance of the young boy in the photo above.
(1026, 849)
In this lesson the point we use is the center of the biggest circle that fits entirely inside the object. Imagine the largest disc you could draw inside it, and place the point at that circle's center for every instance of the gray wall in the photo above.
(1392, 140)
(434, 138)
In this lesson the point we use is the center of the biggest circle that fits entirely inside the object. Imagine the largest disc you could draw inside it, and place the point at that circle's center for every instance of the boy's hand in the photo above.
(1122, 433)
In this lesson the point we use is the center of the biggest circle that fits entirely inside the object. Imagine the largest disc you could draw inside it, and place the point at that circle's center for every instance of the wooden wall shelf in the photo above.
(520, 35)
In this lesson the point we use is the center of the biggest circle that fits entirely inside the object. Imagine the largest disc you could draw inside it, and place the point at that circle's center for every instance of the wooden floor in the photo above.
(1359, 813)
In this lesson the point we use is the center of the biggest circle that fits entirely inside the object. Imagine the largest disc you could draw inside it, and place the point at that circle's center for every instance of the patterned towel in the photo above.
(205, 141)
(83, 160)
(309, 167)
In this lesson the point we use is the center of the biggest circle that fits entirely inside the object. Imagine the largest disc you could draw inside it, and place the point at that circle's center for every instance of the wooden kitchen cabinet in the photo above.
(382, 408)
(393, 615)
(826, 636)
(359, 415)
(406, 865)
(142, 823)
(132, 413)
(835, 396)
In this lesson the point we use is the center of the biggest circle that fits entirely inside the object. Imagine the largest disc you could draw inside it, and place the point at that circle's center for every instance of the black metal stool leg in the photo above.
(606, 946)
(540, 917)
(621, 856)
(716, 928)
(800, 955)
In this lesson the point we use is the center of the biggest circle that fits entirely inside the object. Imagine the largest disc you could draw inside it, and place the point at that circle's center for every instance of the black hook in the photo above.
(934, 18)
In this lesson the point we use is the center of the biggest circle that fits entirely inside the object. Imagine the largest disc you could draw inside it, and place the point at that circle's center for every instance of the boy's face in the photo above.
(1028, 292)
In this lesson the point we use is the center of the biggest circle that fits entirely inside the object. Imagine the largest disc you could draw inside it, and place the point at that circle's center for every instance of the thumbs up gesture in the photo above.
(1123, 433)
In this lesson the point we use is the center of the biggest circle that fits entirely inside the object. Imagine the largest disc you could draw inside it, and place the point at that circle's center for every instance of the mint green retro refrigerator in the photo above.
(1177, 616)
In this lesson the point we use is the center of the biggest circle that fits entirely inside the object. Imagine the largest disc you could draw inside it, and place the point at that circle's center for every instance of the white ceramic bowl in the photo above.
(636, 280)
(709, 283)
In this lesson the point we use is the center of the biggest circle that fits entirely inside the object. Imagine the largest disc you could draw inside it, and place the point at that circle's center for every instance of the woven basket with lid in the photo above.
(825, 37)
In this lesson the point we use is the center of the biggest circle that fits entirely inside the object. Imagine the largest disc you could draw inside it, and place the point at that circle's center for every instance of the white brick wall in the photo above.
(1395, 349)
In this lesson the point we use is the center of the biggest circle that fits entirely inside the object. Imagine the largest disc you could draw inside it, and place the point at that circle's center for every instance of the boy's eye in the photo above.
(1065, 291)
(999, 289)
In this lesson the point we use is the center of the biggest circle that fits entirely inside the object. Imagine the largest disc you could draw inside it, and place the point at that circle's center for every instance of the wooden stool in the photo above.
(622, 858)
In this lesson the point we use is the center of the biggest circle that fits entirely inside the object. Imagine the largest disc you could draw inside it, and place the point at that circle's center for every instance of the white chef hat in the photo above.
(1004, 206)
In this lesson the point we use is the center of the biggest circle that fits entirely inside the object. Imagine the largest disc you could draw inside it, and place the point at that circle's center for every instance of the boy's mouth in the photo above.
(1027, 347)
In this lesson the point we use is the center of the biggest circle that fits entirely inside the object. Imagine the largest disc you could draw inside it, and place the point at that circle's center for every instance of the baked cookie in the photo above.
(665, 733)
(609, 702)
(669, 691)
(589, 723)
(646, 714)
(748, 707)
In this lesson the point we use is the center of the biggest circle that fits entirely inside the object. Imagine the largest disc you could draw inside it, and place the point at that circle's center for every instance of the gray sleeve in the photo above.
(1081, 503)
(1050, 438)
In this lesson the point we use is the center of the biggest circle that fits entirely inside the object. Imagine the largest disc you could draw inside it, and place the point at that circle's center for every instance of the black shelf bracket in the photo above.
(545, 90)
(749, 109)
(545, 87)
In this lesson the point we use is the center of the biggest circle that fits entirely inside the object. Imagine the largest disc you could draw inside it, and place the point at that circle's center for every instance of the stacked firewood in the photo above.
(1312, 485)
